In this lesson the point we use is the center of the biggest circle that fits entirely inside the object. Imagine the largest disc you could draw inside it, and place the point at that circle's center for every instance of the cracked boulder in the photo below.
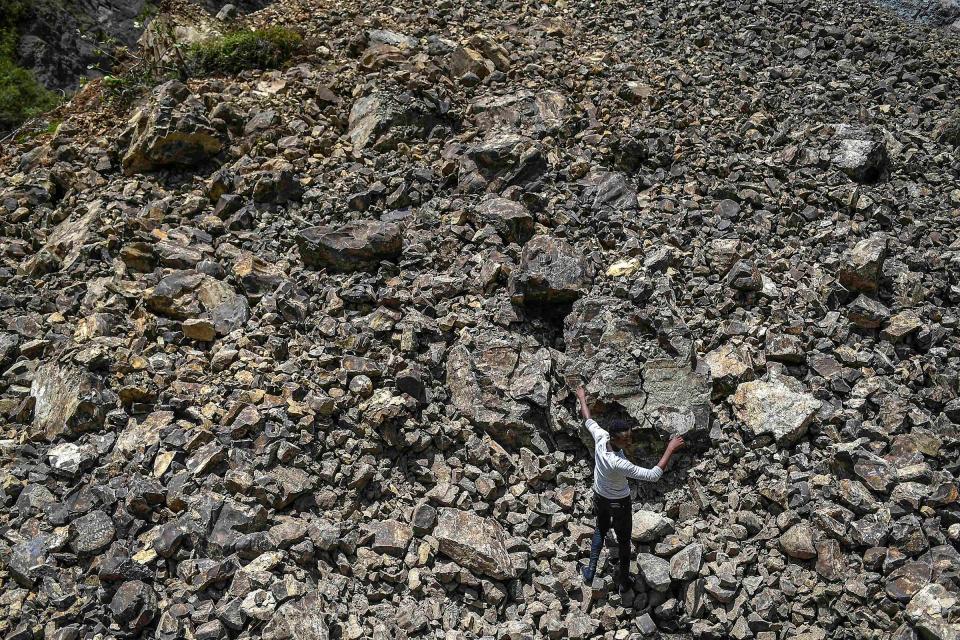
(858, 154)
(474, 542)
(172, 130)
(778, 408)
(351, 247)
(502, 384)
(68, 402)
(642, 362)
(501, 160)
(383, 119)
(551, 271)
(189, 295)
(539, 113)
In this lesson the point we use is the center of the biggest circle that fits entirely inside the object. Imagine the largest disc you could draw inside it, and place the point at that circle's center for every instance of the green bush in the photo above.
(21, 96)
(262, 49)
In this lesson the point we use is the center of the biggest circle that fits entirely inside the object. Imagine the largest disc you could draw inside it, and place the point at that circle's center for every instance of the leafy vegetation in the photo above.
(231, 53)
(261, 49)
(21, 96)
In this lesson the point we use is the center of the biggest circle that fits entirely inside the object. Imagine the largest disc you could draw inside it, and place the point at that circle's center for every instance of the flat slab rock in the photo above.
(474, 542)
(354, 246)
(774, 408)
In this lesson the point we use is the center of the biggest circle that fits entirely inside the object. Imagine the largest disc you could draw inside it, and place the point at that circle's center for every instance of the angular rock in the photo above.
(351, 247)
(173, 130)
(551, 271)
(390, 536)
(862, 264)
(474, 542)
(773, 407)
(69, 401)
(858, 155)
(502, 385)
(185, 295)
(91, 533)
(798, 542)
(867, 313)
(383, 119)
(655, 571)
(650, 526)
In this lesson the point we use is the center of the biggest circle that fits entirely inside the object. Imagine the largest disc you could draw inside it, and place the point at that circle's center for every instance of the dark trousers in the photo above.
(618, 514)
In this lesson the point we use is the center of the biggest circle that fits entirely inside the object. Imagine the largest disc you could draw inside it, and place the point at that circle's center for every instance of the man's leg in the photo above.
(601, 507)
(622, 516)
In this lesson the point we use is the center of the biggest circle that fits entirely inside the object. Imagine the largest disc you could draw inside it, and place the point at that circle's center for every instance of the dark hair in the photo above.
(618, 426)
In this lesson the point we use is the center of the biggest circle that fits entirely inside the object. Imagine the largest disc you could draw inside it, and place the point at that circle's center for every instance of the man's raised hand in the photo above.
(675, 443)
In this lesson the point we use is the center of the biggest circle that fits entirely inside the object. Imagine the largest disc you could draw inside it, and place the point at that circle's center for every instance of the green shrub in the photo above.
(21, 96)
(262, 49)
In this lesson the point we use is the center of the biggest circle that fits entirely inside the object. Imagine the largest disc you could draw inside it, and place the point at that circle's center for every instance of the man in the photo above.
(611, 492)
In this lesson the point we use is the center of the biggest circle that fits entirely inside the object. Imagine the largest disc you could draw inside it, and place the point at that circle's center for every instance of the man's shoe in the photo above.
(587, 572)
(626, 592)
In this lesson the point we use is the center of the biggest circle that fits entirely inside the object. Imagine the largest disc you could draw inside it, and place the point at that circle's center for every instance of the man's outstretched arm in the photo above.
(584, 409)
(675, 443)
(591, 425)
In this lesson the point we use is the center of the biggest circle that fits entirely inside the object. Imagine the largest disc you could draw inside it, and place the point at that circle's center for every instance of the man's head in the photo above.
(620, 434)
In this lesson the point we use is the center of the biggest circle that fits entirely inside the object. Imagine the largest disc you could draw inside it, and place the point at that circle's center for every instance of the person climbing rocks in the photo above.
(611, 493)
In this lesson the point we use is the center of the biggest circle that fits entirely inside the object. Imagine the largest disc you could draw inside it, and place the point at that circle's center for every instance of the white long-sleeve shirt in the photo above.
(611, 469)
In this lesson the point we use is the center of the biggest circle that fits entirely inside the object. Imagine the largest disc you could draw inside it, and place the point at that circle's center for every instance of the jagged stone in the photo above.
(473, 542)
(775, 408)
(172, 130)
(351, 247)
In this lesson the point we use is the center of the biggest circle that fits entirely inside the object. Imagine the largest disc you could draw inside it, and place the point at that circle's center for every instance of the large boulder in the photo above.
(68, 402)
(65, 244)
(641, 361)
(91, 533)
(933, 611)
(189, 295)
(539, 113)
(171, 130)
(383, 119)
(859, 154)
(503, 159)
(351, 247)
(301, 619)
(502, 384)
(511, 219)
(777, 407)
(863, 263)
(550, 271)
(134, 606)
(474, 542)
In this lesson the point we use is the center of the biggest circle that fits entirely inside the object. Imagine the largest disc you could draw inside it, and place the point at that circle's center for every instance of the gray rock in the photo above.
(390, 536)
(91, 533)
(685, 565)
(351, 247)
(655, 571)
(773, 407)
(474, 542)
(650, 526)
(502, 385)
(798, 542)
(867, 313)
(172, 130)
(858, 155)
(69, 401)
(863, 263)
(134, 606)
(550, 271)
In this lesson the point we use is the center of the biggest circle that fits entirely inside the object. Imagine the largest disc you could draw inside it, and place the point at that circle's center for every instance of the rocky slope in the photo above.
(289, 354)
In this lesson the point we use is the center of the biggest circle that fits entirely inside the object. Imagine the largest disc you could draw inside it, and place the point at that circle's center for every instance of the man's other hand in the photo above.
(675, 443)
